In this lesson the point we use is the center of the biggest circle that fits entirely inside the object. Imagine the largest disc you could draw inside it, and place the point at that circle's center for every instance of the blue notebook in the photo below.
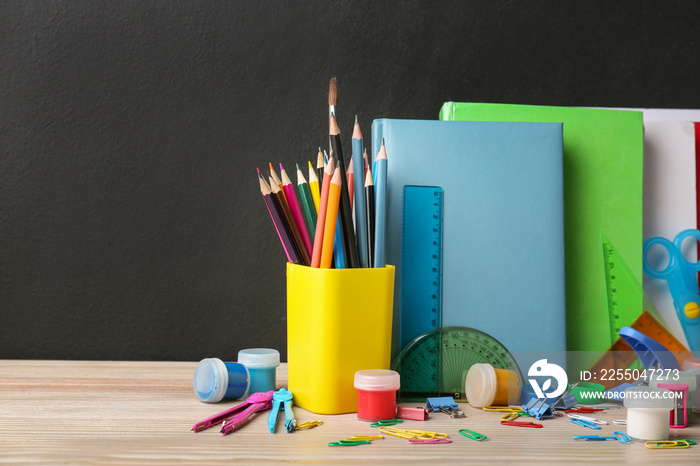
(503, 224)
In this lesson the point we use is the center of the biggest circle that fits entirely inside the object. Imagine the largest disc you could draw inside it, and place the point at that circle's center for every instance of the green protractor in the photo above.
(436, 363)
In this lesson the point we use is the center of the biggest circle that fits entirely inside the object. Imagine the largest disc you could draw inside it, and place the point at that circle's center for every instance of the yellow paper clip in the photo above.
(365, 437)
(505, 409)
(511, 416)
(412, 433)
(667, 444)
(308, 425)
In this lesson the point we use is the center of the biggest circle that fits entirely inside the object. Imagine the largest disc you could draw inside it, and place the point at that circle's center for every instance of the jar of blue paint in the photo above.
(215, 380)
(262, 364)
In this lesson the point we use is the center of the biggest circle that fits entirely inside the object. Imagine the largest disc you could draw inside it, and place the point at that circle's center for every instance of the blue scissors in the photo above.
(681, 276)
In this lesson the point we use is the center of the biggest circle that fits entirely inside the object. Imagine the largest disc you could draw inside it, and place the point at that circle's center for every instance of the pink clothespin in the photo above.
(238, 415)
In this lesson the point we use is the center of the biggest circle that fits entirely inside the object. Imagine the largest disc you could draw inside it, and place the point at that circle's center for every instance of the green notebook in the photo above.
(603, 168)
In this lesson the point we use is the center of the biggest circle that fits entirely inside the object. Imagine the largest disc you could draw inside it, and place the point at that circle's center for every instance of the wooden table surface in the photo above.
(86, 412)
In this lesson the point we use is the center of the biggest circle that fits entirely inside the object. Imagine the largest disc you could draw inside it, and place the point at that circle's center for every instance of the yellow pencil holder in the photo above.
(338, 322)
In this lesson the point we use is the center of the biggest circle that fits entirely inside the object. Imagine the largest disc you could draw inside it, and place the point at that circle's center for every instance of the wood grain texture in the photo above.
(77, 412)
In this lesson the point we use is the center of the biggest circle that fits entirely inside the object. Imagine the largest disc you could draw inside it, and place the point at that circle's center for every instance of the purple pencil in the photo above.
(283, 232)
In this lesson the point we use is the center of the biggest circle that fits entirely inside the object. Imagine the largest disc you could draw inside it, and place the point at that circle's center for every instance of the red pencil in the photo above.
(293, 203)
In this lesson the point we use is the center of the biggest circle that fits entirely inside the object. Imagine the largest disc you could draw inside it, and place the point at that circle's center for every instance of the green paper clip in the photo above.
(349, 443)
(472, 435)
(388, 422)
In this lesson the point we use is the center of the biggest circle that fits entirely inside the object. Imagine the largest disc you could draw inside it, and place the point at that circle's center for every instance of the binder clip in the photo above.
(239, 415)
(445, 404)
(282, 397)
(539, 408)
(566, 400)
(416, 414)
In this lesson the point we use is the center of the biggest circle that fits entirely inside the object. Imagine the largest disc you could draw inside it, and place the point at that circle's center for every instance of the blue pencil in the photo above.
(360, 214)
(380, 206)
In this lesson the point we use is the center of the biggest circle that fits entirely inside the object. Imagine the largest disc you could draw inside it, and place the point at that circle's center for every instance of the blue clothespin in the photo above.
(283, 397)
(538, 408)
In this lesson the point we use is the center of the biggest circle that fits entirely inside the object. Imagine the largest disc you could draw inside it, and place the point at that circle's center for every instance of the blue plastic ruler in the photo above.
(421, 262)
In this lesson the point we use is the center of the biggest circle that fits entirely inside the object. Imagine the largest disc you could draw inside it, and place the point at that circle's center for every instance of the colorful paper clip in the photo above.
(619, 436)
(511, 416)
(349, 443)
(521, 424)
(365, 437)
(418, 441)
(584, 410)
(667, 444)
(584, 423)
(387, 422)
(411, 433)
(282, 398)
(238, 415)
(504, 409)
(308, 425)
(589, 419)
(472, 435)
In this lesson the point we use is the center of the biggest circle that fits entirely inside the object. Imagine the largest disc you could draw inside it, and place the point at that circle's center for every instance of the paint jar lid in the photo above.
(648, 398)
(377, 379)
(673, 377)
(259, 358)
(480, 386)
(210, 380)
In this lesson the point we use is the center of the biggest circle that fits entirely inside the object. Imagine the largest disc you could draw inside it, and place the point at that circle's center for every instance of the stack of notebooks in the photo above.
(528, 190)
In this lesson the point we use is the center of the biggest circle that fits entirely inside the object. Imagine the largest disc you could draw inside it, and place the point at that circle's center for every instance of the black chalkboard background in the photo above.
(131, 223)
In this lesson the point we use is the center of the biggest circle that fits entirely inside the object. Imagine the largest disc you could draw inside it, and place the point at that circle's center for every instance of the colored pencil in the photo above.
(283, 232)
(351, 182)
(369, 210)
(332, 100)
(364, 156)
(359, 194)
(273, 175)
(314, 187)
(320, 165)
(331, 217)
(308, 203)
(287, 216)
(347, 231)
(293, 203)
(322, 210)
(380, 206)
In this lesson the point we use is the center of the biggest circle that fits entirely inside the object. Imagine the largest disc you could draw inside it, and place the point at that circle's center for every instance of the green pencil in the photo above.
(308, 202)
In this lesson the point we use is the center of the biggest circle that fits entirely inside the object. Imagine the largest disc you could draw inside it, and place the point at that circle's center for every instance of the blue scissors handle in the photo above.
(678, 266)
(681, 275)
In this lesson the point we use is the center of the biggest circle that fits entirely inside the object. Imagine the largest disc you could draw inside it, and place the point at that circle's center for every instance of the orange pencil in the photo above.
(321, 220)
(331, 219)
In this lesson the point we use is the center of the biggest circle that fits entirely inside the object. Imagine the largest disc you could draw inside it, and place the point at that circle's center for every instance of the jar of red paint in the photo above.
(376, 394)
